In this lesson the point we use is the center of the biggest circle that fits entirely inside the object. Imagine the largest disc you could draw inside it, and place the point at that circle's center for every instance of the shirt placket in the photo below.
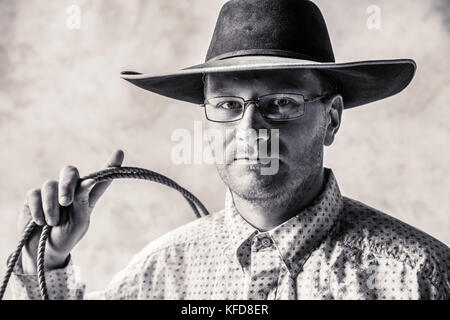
(264, 268)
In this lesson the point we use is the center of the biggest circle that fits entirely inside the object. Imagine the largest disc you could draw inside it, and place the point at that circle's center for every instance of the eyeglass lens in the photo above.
(277, 107)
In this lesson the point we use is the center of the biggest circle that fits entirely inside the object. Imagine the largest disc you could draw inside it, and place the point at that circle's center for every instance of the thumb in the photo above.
(115, 160)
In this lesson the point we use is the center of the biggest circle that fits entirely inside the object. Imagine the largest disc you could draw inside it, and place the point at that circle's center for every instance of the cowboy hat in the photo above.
(255, 35)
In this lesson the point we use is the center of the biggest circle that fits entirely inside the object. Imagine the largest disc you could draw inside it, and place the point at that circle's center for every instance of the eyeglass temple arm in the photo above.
(322, 96)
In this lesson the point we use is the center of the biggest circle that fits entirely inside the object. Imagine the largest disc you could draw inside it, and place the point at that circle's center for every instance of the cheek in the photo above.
(220, 138)
(304, 137)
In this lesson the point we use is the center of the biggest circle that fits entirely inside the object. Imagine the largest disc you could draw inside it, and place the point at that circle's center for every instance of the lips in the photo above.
(252, 159)
(245, 155)
(260, 161)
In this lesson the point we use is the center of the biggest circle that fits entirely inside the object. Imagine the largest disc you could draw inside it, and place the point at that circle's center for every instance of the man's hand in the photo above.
(69, 226)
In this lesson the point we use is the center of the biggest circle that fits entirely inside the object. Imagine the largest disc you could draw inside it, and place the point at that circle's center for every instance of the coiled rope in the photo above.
(99, 176)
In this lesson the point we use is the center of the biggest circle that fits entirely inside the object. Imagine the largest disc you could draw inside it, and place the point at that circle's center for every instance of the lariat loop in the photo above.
(99, 176)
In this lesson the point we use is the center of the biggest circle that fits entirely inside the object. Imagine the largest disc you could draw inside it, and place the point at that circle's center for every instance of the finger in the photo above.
(68, 179)
(115, 160)
(83, 189)
(49, 194)
(24, 216)
(25, 213)
(34, 205)
(81, 200)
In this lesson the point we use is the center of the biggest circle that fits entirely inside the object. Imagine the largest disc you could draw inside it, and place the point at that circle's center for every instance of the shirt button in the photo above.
(262, 295)
(266, 242)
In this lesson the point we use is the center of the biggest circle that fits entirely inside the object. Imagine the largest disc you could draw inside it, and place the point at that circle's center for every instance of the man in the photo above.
(289, 234)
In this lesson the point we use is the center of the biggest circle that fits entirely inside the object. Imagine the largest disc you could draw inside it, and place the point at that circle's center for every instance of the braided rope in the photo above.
(12, 260)
(99, 176)
(139, 173)
(40, 261)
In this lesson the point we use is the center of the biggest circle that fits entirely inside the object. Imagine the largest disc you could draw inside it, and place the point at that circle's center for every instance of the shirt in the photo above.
(336, 248)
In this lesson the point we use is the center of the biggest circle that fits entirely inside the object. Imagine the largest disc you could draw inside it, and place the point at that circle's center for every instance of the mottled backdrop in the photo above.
(62, 102)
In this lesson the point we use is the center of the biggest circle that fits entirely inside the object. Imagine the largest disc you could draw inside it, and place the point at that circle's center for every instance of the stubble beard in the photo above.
(283, 187)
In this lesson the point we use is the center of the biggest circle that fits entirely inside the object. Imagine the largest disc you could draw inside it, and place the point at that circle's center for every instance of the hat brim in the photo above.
(359, 82)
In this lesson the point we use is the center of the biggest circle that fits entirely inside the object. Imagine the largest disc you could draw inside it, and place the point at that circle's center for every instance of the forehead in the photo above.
(260, 82)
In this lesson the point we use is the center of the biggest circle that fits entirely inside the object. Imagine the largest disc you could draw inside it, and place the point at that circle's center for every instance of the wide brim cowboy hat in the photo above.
(252, 35)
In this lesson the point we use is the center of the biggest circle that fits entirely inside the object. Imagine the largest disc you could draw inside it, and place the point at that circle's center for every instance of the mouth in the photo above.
(253, 160)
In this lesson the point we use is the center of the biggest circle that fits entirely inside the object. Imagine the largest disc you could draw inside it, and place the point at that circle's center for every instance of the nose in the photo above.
(252, 118)
(248, 135)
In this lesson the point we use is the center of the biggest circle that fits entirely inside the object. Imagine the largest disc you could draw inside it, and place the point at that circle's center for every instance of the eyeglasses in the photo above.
(274, 107)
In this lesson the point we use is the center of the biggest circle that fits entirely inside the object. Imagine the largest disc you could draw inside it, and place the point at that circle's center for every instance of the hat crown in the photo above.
(287, 28)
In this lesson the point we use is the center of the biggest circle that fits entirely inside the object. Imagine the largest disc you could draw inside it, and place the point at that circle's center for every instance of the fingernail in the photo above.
(65, 200)
(52, 222)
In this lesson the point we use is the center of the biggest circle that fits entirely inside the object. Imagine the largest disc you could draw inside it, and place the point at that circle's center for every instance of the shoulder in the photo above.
(368, 229)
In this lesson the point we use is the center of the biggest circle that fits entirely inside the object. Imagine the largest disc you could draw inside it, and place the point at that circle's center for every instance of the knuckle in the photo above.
(50, 211)
(82, 201)
(50, 202)
(26, 208)
(33, 207)
(69, 172)
(33, 193)
(50, 184)
(64, 186)
(71, 168)
(49, 207)
(38, 218)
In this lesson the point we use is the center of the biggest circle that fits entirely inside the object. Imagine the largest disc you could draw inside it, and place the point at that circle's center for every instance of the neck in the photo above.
(269, 214)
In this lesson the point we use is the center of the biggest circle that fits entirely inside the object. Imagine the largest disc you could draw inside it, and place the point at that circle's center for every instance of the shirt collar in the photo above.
(297, 237)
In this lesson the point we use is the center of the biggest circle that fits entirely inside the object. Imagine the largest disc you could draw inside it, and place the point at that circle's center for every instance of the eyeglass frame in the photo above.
(256, 102)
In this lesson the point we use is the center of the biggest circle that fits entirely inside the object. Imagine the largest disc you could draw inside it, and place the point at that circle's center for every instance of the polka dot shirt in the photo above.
(336, 248)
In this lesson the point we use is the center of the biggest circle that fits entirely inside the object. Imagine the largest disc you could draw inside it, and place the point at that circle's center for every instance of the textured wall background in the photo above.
(62, 102)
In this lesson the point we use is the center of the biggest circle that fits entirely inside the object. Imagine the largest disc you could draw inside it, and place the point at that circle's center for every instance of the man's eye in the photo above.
(228, 105)
(281, 102)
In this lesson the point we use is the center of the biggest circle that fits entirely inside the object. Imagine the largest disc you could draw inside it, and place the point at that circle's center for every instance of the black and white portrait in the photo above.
(225, 150)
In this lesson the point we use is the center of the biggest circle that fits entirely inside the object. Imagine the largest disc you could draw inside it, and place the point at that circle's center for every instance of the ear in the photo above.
(333, 116)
